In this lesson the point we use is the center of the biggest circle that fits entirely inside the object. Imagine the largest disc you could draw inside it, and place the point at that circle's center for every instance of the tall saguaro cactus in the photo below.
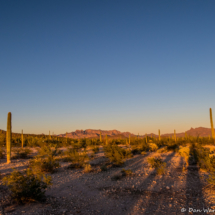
(106, 139)
(146, 138)
(66, 137)
(22, 137)
(129, 140)
(100, 136)
(9, 137)
(212, 126)
(175, 135)
(159, 134)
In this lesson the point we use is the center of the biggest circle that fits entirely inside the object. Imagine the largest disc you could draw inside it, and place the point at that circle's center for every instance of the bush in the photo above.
(158, 164)
(185, 153)
(153, 147)
(116, 154)
(77, 158)
(211, 179)
(127, 172)
(163, 149)
(21, 153)
(44, 165)
(27, 187)
(87, 168)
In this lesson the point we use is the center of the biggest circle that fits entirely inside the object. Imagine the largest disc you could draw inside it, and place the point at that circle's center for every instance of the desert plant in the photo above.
(153, 147)
(22, 137)
(211, 180)
(44, 165)
(185, 153)
(212, 126)
(87, 168)
(163, 149)
(127, 172)
(9, 137)
(161, 169)
(21, 153)
(155, 162)
(27, 187)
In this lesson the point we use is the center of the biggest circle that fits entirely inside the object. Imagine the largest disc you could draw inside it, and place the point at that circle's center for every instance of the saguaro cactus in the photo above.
(66, 137)
(100, 136)
(159, 135)
(106, 140)
(146, 138)
(175, 135)
(212, 126)
(9, 137)
(185, 135)
(22, 137)
(129, 141)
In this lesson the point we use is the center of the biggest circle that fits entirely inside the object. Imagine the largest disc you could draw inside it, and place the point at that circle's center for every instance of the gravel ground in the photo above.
(145, 192)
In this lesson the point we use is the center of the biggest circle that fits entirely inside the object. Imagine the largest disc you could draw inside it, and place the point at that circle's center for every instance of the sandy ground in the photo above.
(145, 192)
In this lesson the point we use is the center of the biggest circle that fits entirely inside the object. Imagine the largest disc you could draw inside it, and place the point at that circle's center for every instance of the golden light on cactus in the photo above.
(100, 136)
(22, 139)
(146, 138)
(159, 136)
(66, 137)
(212, 126)
(106, 139)
(9, 137)
(175, 135)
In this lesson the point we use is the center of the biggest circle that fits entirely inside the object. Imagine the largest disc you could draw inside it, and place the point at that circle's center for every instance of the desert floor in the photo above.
(145, 192)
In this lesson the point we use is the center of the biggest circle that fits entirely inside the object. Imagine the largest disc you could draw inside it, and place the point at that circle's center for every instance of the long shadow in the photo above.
(138, 193)
(194, 195)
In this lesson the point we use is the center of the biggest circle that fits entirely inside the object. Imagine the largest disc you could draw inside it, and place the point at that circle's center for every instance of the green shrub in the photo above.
(21, 153)
(158, 164)
(27, 187)
(44, 165)
(153, 147)
(77, 158)
(116, 154)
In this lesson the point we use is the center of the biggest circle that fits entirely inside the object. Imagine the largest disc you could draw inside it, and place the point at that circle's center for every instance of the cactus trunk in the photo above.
(146, 138)
(9, 137)
(129, 141)
(212, 126)
(175, 135)
(22, 137)
(106, 140)
(100, 136)
(159, 135)
(66, 137)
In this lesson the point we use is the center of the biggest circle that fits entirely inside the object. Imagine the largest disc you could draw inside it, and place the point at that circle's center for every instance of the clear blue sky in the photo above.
(135, 66)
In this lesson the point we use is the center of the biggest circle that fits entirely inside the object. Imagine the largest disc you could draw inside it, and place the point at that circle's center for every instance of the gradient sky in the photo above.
(135, 65)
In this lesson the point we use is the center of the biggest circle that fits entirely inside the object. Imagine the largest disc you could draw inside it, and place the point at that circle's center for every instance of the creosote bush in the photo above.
(116, 154)
(87, 168)
(27, 187)
(158, 164)
(127, 172)
(21, 153)
(153, 147)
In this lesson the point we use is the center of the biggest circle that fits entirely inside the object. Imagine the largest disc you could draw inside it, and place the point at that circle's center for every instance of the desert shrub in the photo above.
(2, 153)
(44, 165)
(161, 169)
(103, 168)
(27, 187)
(153, 147)
(116, 154)
(155, 162)
(48, 150)
(77, 158)
(185, 153)
(158, 164)
(135, 150)
(21, 153)
(127, 172)
(95, 149)
(163, 149)
(87, 168)
(211, 180)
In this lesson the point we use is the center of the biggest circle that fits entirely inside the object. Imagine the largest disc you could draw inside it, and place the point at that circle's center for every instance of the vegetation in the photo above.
(158, 164)
(27, 187)
(9, 137)
(20, 153)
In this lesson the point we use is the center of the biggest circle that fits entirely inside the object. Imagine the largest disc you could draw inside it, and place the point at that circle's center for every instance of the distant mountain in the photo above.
(92, 133)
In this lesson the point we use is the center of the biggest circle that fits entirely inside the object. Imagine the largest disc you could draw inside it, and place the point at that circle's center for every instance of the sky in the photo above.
(135, 66)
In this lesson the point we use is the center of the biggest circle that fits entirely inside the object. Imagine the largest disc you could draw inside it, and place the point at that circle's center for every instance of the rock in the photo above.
(167, 187)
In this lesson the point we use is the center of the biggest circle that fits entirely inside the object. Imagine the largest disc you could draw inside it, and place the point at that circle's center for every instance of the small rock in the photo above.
(167, 187)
